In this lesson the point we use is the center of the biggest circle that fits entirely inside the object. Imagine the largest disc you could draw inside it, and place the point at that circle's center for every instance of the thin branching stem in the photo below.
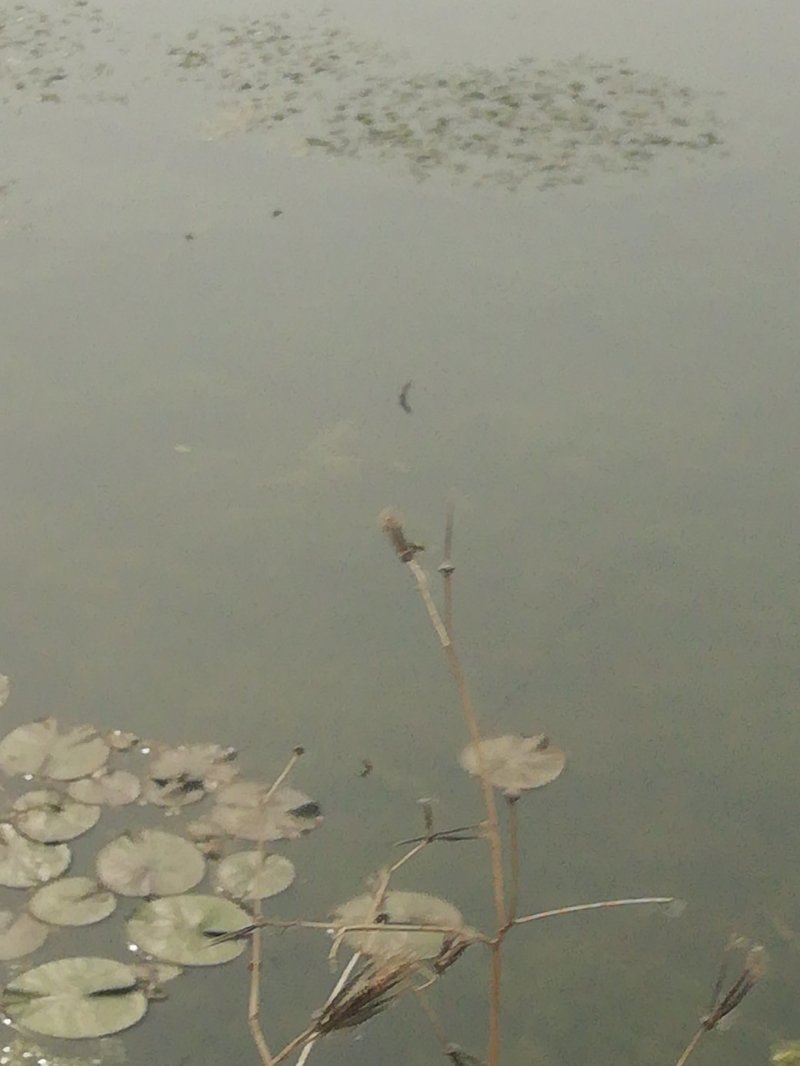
(513, 850)
(406, 552)
(254, 999)
(446, 568)
(687, 1051)
(604, 904)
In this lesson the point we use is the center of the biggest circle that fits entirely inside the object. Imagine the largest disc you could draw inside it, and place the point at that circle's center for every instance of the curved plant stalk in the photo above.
(513, 849)
(254, 999)
(600, 905)
(406, 552)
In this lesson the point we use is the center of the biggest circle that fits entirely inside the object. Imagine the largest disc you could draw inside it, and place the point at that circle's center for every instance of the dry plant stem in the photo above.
(493, 825)
(343, 979)
(432, 1017)
(691, 1046)
(254, 1000)
(604, 904)
(447, 569)
(513, 848)
(377, 903)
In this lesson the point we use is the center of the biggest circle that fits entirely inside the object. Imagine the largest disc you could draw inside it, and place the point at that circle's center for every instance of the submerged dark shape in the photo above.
(402, 399)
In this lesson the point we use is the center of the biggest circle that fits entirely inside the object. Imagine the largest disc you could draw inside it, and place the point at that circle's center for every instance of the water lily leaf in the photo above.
(49, 817)
(39, 748)
(406, 908)
(20, 935)
(166, 792)
(118, 740)
(181, 929)
(210, 764)
(75, 998)
(5, 688)
(248, 875)
(150, 863)
(72, 901)
(516, 764)
(24, 863)
(113, 788)
(243, 811)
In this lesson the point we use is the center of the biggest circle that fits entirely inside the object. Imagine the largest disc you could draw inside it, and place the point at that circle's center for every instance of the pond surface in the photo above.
(228, 236)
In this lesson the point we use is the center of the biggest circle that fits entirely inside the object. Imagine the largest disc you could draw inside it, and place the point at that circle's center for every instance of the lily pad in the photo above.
(248, 875)
(150, 863)
(168, 793)
(75, 998)
(5, 688)
(118, 740)
(72, 901)
(113, 788)
(242, 809)
(405, 908)
(181, 929)
(20, 935)
(49, 817)
(39, 748)
(516, 764)
(24, 863)
(209, 764)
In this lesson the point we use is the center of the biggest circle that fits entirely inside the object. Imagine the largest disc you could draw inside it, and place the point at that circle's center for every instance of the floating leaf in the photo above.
(248, 875)
(117, 740)
(113, 788)
(24, 863)
(150, 863)
(20, 935)
(515, 764)
(75, 998)
(5, 688)
(242, 809)
(404, 908)
(50, 818)
(72, 901)
(168, 793)
(39, 748)
(209, 764)
(182, 929)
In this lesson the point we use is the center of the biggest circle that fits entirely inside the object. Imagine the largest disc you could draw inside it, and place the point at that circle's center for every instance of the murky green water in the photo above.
(207, 314)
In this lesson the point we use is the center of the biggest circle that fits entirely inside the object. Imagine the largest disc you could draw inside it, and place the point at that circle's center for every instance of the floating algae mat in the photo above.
(551, 124)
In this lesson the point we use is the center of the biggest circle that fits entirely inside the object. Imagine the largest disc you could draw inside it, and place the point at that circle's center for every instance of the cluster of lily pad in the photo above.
(74, 781)
(76, 778)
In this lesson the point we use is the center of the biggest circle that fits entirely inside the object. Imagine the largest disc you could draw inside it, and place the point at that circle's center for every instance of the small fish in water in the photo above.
(402, 399)
(366, 768)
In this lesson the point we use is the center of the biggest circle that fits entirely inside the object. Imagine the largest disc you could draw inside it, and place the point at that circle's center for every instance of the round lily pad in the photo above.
(49, 817)
(150, 863)
(242, 809)
(39, 748)
(75, 998)
(209, 764)
(167, 792)
(118, 740)
(20, 935)
(248, 875)
(405, 908)
(181, 929)
(24, 863)
(113, 788)
(516, 764)
(72, 901)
